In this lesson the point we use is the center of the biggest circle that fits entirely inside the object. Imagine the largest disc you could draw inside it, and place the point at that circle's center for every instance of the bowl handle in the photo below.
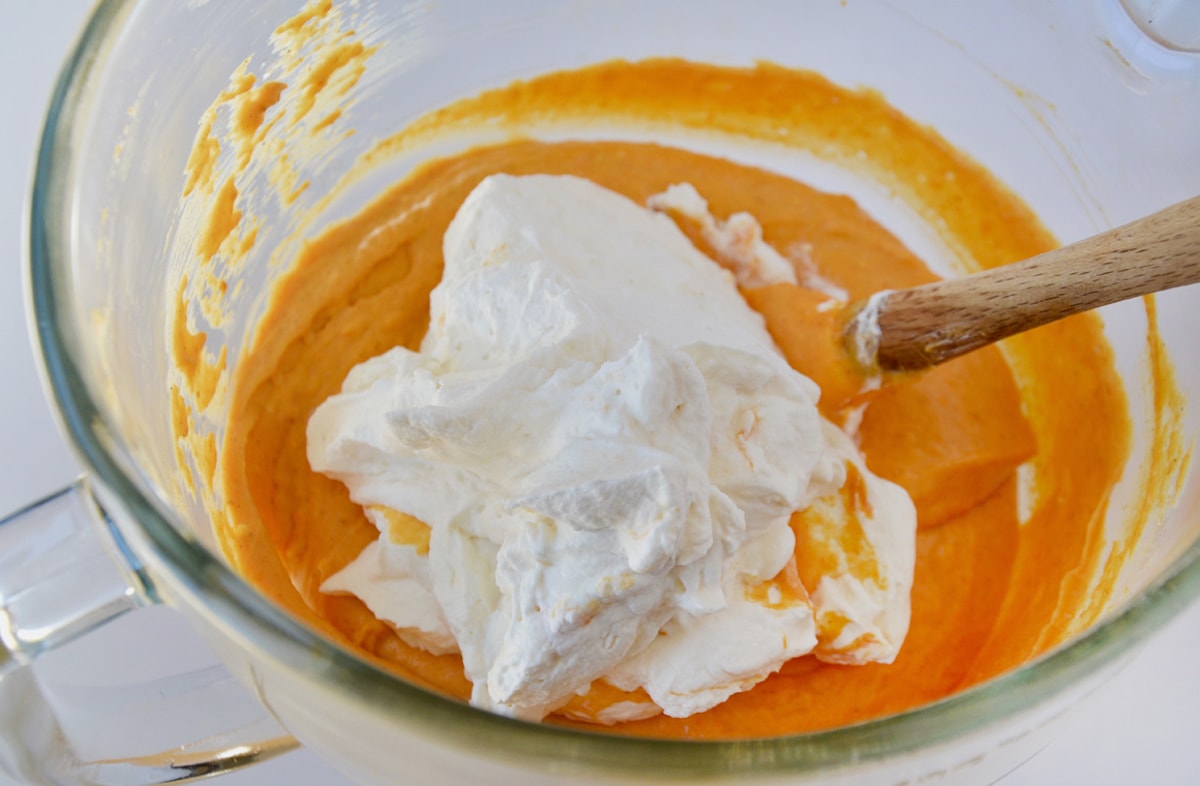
(65, 570)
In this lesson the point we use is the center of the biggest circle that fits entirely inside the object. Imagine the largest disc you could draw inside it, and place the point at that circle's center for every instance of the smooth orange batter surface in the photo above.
(990, 591)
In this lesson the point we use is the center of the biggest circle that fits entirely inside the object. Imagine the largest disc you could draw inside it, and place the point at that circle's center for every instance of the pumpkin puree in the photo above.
(991, 590)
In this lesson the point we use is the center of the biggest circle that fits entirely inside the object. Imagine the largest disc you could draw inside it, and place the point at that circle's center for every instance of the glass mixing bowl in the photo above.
(1072, 105)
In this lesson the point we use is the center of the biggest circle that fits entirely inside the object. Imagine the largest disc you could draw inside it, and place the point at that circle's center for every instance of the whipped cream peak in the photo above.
(607, 450)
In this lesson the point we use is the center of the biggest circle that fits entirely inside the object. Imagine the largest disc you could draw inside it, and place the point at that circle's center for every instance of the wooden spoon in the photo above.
(915, 328)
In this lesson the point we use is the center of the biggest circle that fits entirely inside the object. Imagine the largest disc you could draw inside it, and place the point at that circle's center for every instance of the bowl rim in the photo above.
(240, 612)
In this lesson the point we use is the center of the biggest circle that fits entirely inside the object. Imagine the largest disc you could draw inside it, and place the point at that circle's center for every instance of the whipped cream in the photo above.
(737, 242)
(606, 449)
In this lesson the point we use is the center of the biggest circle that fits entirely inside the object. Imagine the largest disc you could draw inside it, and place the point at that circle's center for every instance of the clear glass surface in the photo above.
(58, 576)
(1074, 107)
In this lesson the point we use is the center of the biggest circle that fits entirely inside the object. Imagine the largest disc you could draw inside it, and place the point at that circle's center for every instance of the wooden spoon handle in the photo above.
(930, 324)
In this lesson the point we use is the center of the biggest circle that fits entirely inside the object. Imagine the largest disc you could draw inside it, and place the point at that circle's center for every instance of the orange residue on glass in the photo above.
(223, 219)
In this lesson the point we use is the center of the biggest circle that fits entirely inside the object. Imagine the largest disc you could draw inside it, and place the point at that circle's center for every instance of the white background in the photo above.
(1143, 727)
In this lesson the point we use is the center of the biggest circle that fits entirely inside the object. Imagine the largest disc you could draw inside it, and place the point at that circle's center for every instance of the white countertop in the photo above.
(1142, 728)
